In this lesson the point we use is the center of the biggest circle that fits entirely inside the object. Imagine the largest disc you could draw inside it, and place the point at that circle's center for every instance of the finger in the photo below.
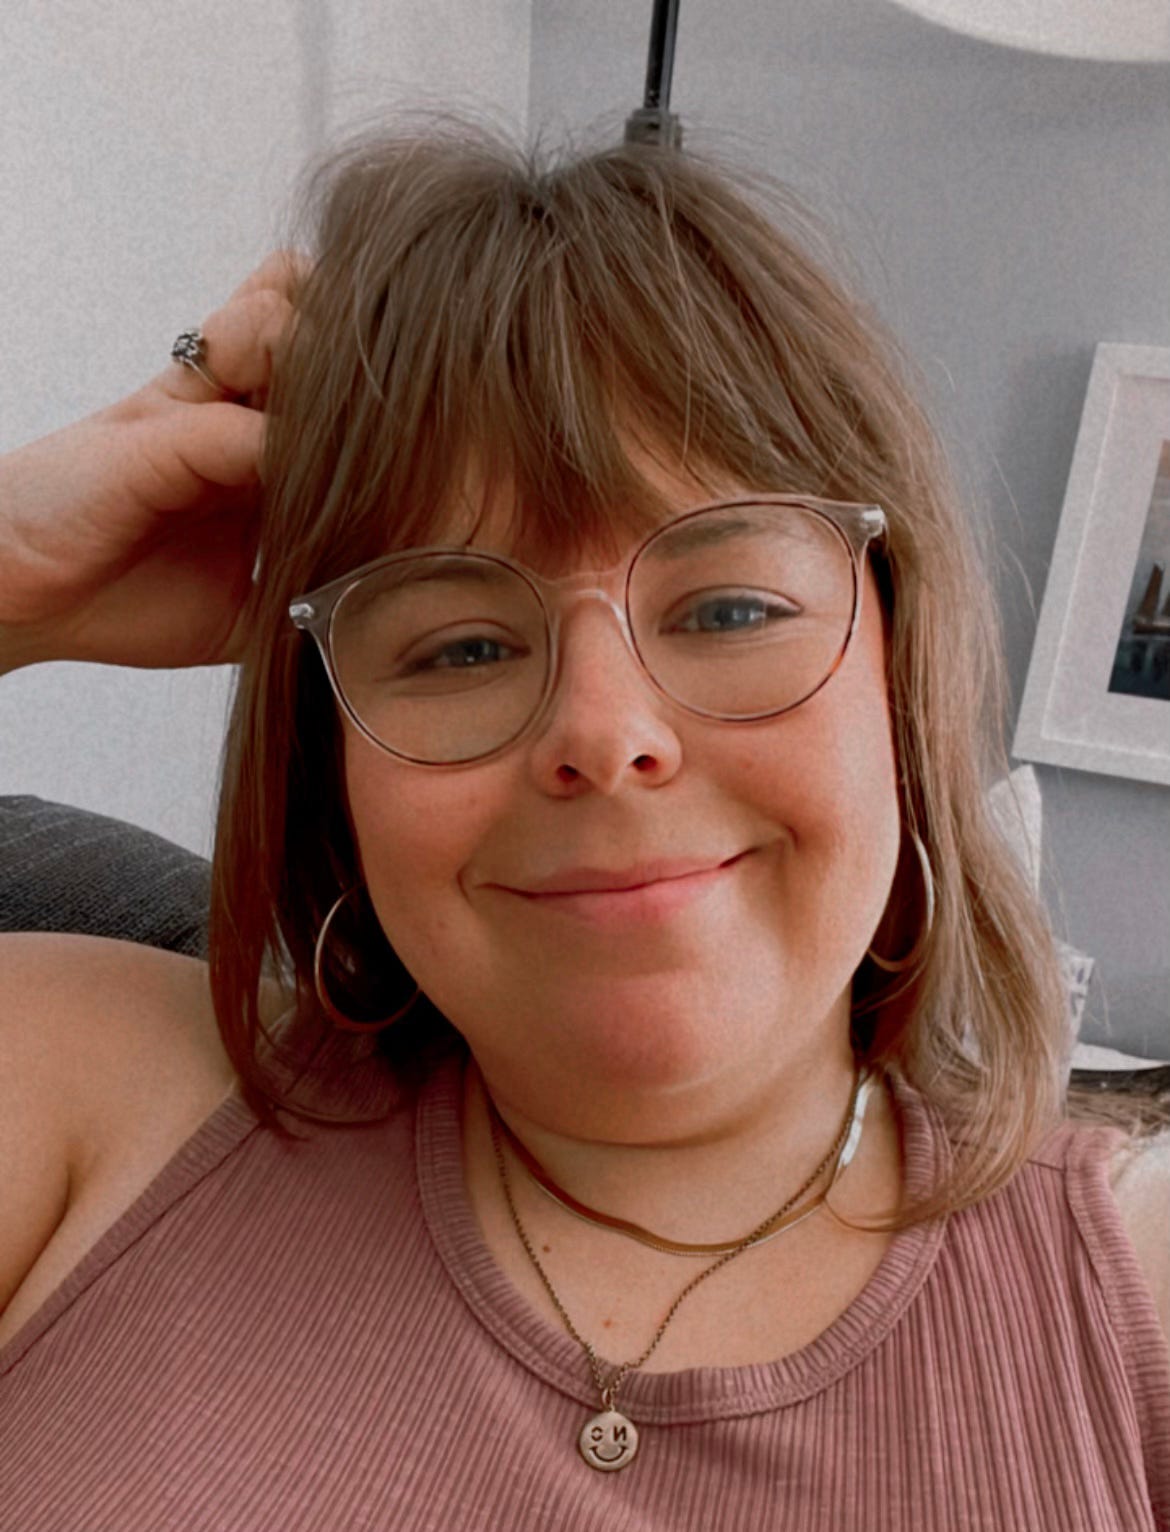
(223, 444)
(219, 444)
(239, 340)
(270, 288)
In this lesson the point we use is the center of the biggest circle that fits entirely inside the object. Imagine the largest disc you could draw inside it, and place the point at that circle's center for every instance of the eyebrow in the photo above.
(691, 536)
(480, 569)
(482, 572)
(696, 535)
(454, 565)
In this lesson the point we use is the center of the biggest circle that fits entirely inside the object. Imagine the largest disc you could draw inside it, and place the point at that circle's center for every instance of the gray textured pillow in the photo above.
(65, 869)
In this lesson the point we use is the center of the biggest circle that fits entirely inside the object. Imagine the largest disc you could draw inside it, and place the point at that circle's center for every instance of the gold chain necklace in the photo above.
(609, 1440)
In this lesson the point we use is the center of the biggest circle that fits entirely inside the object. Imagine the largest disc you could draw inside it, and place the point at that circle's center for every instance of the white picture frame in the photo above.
(1097, 695)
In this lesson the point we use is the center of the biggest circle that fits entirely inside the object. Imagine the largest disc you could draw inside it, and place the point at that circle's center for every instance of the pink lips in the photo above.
(646, 891)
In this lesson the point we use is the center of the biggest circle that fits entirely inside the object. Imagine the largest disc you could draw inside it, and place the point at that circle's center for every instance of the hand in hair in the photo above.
(130, 536)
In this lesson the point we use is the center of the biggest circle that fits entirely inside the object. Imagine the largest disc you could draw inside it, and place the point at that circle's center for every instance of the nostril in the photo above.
(644, 763)
(567, 773)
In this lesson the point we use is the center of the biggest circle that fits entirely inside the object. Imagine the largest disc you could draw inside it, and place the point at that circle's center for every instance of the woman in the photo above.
(602, 839)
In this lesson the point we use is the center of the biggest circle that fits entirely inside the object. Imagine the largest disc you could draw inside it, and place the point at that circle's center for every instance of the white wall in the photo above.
(146, 155)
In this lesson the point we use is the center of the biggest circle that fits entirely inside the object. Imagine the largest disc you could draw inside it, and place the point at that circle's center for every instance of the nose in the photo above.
(605, 726)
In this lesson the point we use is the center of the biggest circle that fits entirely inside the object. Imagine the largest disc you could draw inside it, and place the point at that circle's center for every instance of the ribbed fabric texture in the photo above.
(313, 1338)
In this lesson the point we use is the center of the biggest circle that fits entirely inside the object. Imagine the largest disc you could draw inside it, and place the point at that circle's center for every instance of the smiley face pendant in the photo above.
(608, 1441)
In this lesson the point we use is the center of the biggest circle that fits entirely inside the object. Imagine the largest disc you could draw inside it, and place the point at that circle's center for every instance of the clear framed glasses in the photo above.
(738, 610)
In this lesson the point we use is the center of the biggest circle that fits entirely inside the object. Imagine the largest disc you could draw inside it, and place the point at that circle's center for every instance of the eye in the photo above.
(730, 612)
(471, 653)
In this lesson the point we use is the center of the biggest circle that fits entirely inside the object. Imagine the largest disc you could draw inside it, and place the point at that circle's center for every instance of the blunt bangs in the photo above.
(488, 327)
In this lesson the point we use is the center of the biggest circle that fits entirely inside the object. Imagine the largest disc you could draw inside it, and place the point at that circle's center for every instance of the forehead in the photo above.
(492, 516)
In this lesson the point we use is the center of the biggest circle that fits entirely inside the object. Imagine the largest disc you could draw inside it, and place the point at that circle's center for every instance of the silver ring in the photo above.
(191, 350)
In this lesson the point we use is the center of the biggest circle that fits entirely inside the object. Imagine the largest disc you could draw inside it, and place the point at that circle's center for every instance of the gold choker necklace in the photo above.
(844, 1149)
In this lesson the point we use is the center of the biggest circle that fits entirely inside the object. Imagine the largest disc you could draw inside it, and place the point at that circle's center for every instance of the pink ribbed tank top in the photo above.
(278, 1338)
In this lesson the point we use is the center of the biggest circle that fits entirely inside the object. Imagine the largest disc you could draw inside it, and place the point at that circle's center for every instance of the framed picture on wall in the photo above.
(1097, 695)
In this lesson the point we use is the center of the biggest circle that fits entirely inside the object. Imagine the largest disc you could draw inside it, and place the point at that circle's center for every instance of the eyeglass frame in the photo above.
(857, 523)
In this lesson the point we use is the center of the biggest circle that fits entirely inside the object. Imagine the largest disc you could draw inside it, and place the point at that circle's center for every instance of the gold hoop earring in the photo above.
(338, 1018)
(897, 965)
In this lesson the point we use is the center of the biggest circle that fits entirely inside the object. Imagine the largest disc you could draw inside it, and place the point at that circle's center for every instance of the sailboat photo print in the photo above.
(1141, 665)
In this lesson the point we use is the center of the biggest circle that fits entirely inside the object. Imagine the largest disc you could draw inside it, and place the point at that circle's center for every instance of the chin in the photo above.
(644, 1041)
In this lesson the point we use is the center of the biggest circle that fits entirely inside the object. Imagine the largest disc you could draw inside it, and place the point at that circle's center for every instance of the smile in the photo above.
(620, 1450)
(635, 897)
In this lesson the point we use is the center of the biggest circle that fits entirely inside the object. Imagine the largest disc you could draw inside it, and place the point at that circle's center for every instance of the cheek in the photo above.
(860, 768)
(831, 763)
(830, 786)
(827, 773)
(861, 775)
(415, 832)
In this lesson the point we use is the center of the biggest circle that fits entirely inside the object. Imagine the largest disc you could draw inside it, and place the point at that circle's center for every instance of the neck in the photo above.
(707, 1166)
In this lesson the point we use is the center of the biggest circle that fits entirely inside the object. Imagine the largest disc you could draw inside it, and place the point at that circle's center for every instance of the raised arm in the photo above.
(130, 536)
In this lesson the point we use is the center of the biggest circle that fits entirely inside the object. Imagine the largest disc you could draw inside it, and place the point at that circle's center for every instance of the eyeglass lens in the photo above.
(739, 612)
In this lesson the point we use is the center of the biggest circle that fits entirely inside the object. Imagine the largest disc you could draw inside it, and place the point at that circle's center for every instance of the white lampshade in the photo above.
(1127, 31)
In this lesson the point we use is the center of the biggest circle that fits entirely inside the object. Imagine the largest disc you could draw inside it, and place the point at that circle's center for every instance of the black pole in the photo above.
(653, 122)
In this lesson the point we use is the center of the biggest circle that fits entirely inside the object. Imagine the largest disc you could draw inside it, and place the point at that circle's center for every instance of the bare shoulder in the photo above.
(1140, 1178)
(110, 1058)
(106, 1025)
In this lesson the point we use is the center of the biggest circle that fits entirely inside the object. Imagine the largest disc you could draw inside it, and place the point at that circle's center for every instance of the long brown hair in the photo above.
(478, 301)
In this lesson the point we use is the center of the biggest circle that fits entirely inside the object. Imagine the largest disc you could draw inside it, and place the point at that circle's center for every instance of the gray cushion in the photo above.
(65, 869)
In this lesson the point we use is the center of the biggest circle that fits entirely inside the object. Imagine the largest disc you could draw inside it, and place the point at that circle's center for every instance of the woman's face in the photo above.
(691, 995)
